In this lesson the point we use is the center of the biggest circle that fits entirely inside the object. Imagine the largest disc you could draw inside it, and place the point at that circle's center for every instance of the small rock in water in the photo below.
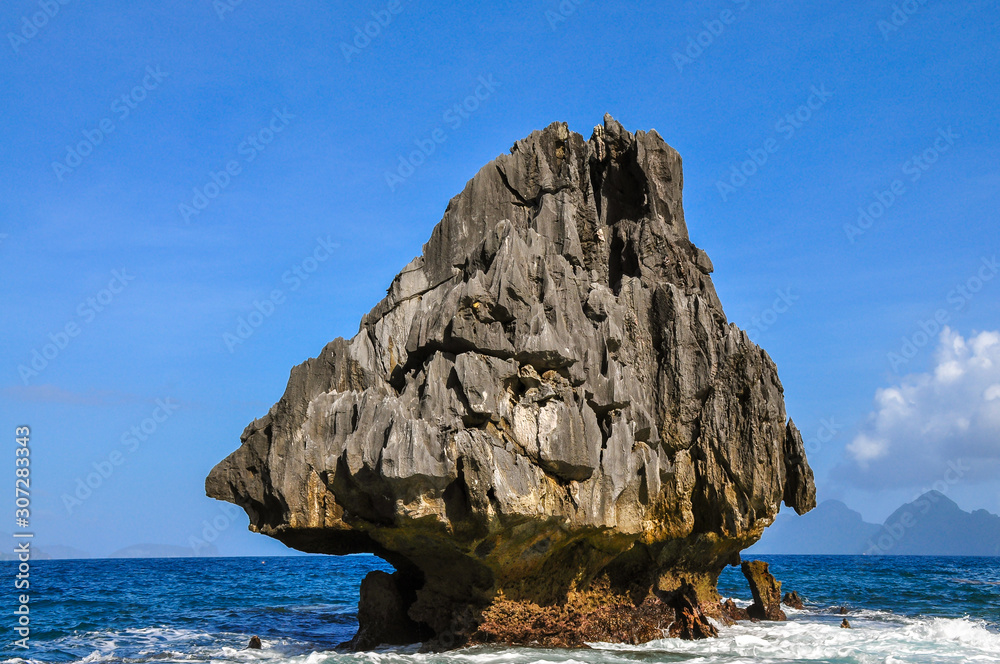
(733, 612)
(845, 624)
(793, 600)
(766, 591)
(254, 643)
(690, 622)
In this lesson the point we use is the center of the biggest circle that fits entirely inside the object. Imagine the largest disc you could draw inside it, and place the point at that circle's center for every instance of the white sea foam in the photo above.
(164, 645)
(820, 638)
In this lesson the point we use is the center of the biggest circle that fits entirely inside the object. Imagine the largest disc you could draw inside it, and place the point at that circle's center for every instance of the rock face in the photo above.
(766, 591)
(549, 396)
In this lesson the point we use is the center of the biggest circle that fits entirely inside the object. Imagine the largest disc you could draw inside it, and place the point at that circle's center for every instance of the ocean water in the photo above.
(939, 610)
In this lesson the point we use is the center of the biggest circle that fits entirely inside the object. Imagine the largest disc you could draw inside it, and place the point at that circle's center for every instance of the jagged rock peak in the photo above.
(549, 397)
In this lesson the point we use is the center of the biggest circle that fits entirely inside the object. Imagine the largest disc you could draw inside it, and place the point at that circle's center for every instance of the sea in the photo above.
(163, 611)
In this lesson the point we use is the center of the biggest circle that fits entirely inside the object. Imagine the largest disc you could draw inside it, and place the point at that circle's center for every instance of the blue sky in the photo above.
(246, 170)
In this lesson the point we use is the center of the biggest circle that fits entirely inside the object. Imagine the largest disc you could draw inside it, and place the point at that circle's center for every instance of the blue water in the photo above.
(911, 586)
(205, 610)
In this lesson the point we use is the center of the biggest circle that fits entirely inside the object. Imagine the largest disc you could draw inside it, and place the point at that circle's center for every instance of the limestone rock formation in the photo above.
(548, 397)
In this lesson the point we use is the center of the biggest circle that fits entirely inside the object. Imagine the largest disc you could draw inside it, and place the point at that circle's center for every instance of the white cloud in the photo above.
(864, 448)
(922, 426)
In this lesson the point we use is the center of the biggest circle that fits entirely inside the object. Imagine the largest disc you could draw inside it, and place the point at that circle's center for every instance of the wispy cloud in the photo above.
(54, 394)
(930, 419)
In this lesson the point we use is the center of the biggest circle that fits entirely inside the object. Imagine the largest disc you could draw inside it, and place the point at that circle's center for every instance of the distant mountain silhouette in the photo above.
(48, 552)
(832, 528)
(931, 525)
(60, 552)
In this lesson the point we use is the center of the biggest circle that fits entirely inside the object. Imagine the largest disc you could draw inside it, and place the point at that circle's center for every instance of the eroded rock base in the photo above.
(382, 613)
(604, 612)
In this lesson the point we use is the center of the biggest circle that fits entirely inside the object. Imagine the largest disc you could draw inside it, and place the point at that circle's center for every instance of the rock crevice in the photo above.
(549, 397)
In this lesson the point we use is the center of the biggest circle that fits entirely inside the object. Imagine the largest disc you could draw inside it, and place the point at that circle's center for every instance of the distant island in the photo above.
(165, 551)
(60, 552)
(931, 525)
